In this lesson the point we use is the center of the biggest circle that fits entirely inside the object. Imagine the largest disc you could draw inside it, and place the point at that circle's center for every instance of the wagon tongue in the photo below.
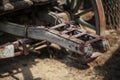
(65, 35)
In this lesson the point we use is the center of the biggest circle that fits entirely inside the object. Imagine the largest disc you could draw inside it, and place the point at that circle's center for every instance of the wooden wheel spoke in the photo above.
(83, 12)
(78, 4)
(68, 3)
(73, 3)
(86, 24)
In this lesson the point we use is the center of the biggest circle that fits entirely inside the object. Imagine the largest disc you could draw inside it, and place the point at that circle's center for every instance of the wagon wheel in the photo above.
(89, 14)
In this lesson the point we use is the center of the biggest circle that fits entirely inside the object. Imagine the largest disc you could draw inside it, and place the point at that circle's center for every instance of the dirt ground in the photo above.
(42, 67)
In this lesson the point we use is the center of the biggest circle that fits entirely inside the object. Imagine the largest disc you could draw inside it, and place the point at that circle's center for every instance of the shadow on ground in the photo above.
(63, 56)
(22, 64)
(111, 69)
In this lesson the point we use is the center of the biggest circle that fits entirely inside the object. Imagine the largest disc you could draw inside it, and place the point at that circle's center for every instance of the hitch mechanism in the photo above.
(65, 34)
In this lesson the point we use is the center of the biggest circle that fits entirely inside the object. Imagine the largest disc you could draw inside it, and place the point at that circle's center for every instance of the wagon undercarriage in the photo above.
(75, 27)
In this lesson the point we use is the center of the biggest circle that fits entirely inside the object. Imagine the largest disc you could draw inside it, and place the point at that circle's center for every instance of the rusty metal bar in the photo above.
(8, 50)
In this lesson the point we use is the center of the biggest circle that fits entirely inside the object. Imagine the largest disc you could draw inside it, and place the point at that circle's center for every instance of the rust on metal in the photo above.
(8, 50)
